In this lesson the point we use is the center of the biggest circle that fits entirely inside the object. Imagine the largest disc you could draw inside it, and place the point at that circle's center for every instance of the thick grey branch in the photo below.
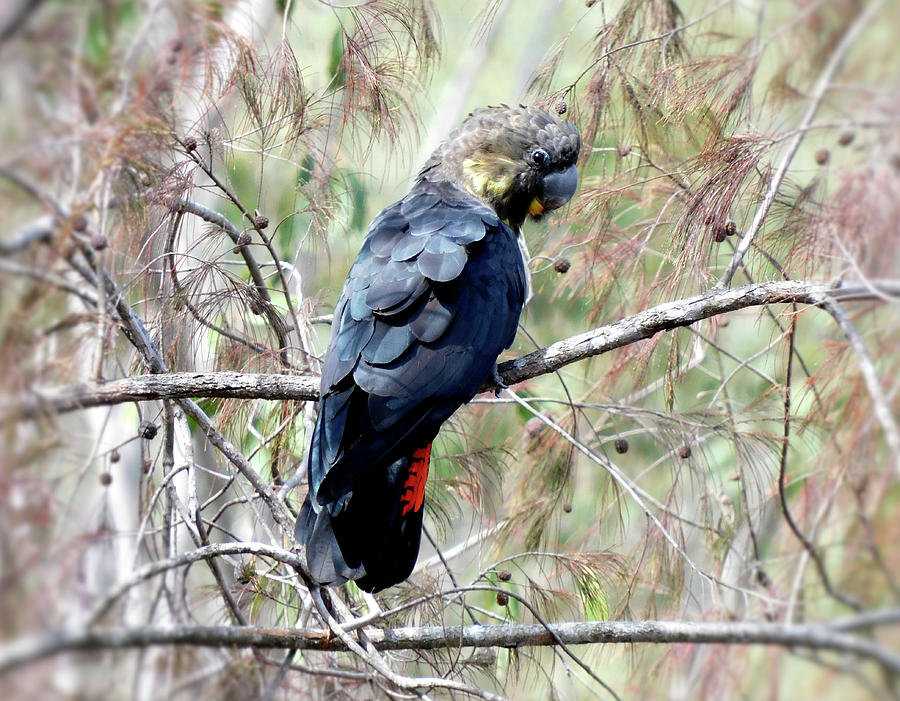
(643, 325)
(174, 385)
(819, 636)
(672, 315)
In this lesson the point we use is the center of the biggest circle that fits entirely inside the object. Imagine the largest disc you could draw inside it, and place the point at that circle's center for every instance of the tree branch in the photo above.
(173, 385)
(38, 231)
(820, 636)
(637, 327)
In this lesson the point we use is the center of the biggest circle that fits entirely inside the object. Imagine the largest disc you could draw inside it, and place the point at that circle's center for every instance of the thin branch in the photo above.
(237, 458)
(39, 231)
(782, 474)
(242, 244)
(867, 367)
(11, 267)
(672, 315)
(203, 553)
(818, 95)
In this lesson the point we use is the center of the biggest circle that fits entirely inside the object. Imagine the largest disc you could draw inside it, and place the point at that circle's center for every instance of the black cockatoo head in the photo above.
(519, 160)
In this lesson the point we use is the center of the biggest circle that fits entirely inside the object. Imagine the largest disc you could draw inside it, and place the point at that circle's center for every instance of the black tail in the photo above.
(372, 534)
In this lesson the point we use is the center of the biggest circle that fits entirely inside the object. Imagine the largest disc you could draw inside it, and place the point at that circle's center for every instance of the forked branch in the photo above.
(637, 327)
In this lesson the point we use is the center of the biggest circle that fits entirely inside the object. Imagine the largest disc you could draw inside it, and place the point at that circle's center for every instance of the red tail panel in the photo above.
(414, 488)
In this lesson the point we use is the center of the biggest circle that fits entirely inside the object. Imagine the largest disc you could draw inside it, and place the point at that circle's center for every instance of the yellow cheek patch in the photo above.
(489, 176)
(535, 209)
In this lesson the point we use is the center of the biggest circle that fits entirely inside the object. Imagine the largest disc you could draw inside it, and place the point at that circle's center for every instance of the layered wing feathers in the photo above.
(432, 299)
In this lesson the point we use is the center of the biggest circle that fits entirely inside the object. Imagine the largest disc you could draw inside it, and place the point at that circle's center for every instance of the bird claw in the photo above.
(501, 385)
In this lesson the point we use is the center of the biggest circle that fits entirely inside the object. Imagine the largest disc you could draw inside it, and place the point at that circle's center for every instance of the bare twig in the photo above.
(12, 267)
(206, 552)
(237, 458)
(870, 375)
(39, 231)
(818, 95)
(782, 474)
(377, 662)
(184, 205)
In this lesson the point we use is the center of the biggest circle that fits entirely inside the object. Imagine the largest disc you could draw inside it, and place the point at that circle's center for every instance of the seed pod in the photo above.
(562, 265)
(504, 575)
(260, 221)
(846, 138)
(245, 572)
(502, 598)
(684, 452)
(561, 107)
(621, 446)
(190, 144)
(821, 156)
(567, 507)
(148, 430)
(114, 456)
(105, 479)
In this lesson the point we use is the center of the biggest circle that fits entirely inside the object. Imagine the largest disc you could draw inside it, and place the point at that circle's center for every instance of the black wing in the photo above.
(431, 301)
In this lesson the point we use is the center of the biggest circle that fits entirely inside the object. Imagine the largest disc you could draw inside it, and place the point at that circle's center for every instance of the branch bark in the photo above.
(819, 636)
(640, 326)
(173, 385)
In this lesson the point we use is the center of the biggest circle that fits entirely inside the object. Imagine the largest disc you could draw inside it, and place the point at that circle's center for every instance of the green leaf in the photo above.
(358, 197)
(210, 408)
(593, 598)
(335, 58)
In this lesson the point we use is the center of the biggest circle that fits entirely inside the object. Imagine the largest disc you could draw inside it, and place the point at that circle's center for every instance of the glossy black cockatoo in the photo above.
(432, 300)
